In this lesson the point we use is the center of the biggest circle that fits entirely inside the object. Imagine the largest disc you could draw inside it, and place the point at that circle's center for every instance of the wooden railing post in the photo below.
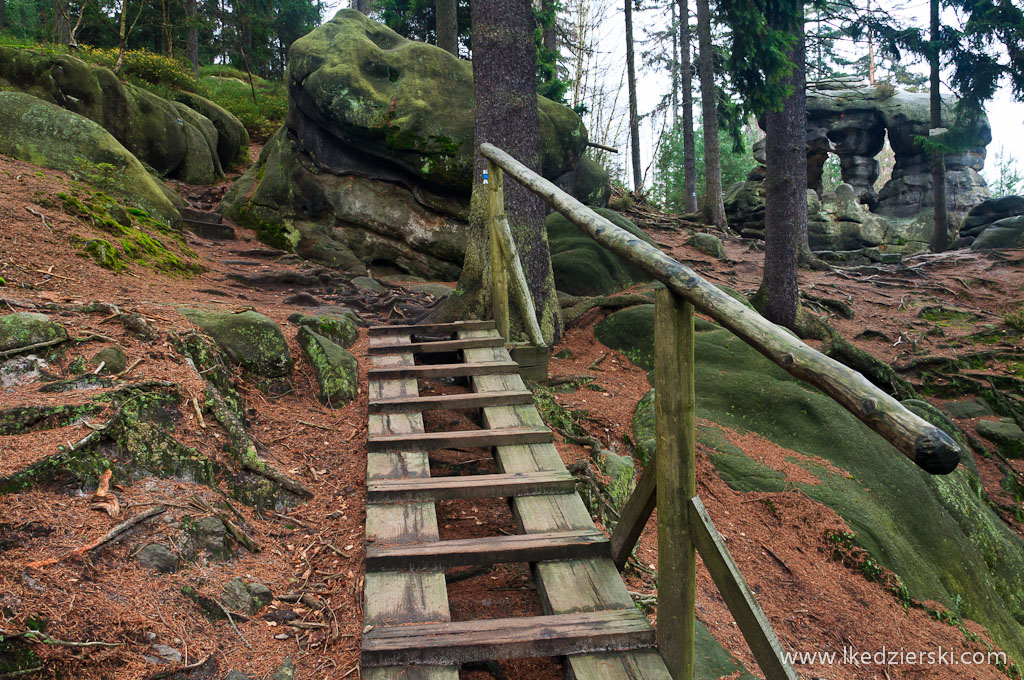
(499, 274)
(676, 480)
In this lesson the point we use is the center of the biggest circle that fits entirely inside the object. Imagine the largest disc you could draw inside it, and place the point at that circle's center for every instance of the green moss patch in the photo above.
(336, 370)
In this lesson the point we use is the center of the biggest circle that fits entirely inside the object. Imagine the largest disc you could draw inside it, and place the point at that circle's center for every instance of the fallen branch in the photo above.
(40, 216)
(42, 638)
(106, 538)
(232, 622)
(29, 348)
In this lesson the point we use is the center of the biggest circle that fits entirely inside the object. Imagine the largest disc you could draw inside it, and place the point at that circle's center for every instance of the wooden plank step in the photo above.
(194, 215)
(511, 638)
(451, 401)
(422, 489)
(415, 329)
(464, 552)
(434, 346)
(443, 370)
(468, 439)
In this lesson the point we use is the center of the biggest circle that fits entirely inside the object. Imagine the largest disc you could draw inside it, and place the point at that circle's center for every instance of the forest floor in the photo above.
(117, 613)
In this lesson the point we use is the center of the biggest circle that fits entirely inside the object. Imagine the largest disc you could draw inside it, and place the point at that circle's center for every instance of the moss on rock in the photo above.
(249, 339)
(336, 370)
(909, 521)
(581, 265)
(24, 329)
(341, 328)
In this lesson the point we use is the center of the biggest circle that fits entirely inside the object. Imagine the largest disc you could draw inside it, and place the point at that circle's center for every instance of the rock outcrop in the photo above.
(995, 223)
(39, 132)
(189, 141)
(853, 122)
(375, 163)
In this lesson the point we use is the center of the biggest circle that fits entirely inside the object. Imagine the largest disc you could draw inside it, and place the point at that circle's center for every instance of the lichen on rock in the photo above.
(336, 370)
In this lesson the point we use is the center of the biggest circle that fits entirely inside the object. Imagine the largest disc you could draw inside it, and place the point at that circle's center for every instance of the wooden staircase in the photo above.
(209, 225)
(590, 618)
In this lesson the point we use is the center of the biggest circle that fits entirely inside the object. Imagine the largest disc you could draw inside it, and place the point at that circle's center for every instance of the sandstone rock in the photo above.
(261, 593)
(249, 339)
(174, 142)
(375, 162)
(286, 671)
(157, 557)
(341, 328)
(113, 360)
(211, 535)
(1005, 233)
(709, 244)
(1007, 435)
(336, 370)
(366, 283)
(39, 132)
(968, 408)
(24, 329)
(989, 211)
(235, 596)
(584, 267)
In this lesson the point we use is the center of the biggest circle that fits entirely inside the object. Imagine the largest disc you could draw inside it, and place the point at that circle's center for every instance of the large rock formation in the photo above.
(36, 131)
(190, 141)
(375, 163)
(853, 122)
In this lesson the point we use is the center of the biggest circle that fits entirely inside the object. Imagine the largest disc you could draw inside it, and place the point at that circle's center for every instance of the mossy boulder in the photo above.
(910, 521)
(173, 142)
(232, 140)
(1005, 233)
(709, 244)
(36, 131)
(630, 331)
(24, 329)
(375, 162)
(1006, 434)
(584, 267)
(336, 370)
(403, 101)
(248, 339)
(340, 328)
(113, 360)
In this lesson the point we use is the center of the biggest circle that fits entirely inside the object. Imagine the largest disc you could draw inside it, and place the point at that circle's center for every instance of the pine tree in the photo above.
(634, 118)
(714, 208)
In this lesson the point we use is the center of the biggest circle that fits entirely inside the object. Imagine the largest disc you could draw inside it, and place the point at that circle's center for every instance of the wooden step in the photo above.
(211, 231)
(443, 370)
(465, 552)
(435, 346)
(467, 439)
(423, 489)
(482, 640)
(423, 329)
(451, 401)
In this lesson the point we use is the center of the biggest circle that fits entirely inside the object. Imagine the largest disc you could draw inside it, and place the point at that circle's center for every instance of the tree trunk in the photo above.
(634, 118)
(686, 76)
(122, 37)
(785, 194)
(166, 26)
(940, 236)
(447, 28)
(549, 37)
(505, 89)
(805, 256)
(3, 16)
(714, 208)
(361, 5)
(192, 36)
(61, 23)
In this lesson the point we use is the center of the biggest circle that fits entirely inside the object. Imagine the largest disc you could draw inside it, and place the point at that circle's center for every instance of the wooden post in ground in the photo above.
(675, 457)
(499, 275)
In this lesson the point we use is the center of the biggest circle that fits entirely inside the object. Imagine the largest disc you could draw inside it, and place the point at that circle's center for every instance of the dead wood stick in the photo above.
(40, 216)
(106, 538)
(27, 348)
(319, 427)
(42, 638)
(232, 622)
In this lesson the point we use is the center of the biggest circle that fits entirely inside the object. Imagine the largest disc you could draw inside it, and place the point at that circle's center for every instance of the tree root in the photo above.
(580, 306)
(106, 538)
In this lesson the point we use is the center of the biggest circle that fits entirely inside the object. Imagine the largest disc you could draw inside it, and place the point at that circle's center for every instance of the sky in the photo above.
(1006, 117)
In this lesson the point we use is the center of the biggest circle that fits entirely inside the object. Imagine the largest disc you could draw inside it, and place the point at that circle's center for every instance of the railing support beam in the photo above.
(676, 460)
(499, 275)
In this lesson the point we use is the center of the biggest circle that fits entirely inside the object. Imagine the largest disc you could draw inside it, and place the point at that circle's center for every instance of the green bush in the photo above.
(231, 89)
(143, 66)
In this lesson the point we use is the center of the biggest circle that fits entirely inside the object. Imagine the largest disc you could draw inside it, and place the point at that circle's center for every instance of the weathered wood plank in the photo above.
(749, 616)
(466, 641)
(427, 328)
(634, 515)
(554, 545)
(469, 486)
(434, 346)
(675, 459)
(392, 598)
(499, 272)
(410, 673)
(463, 439)
(443, 370)
(927, 445)
(450, 401)
(566, 585)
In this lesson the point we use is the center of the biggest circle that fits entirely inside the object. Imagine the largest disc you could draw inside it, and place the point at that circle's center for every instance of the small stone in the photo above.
(282, 636)
(564, 354)
(158, 558)
(709, 244)
(261, 593)
(302, 300)
(212, 535)
(235, 596)
(150, 635)
(286, 671)
(1008, 436)
(969, 408)
(113, 360)
(167, 654)
(366, 283)
(236, 675)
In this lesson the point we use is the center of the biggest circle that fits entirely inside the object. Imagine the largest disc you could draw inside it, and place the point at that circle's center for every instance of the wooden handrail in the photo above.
(927, 445)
